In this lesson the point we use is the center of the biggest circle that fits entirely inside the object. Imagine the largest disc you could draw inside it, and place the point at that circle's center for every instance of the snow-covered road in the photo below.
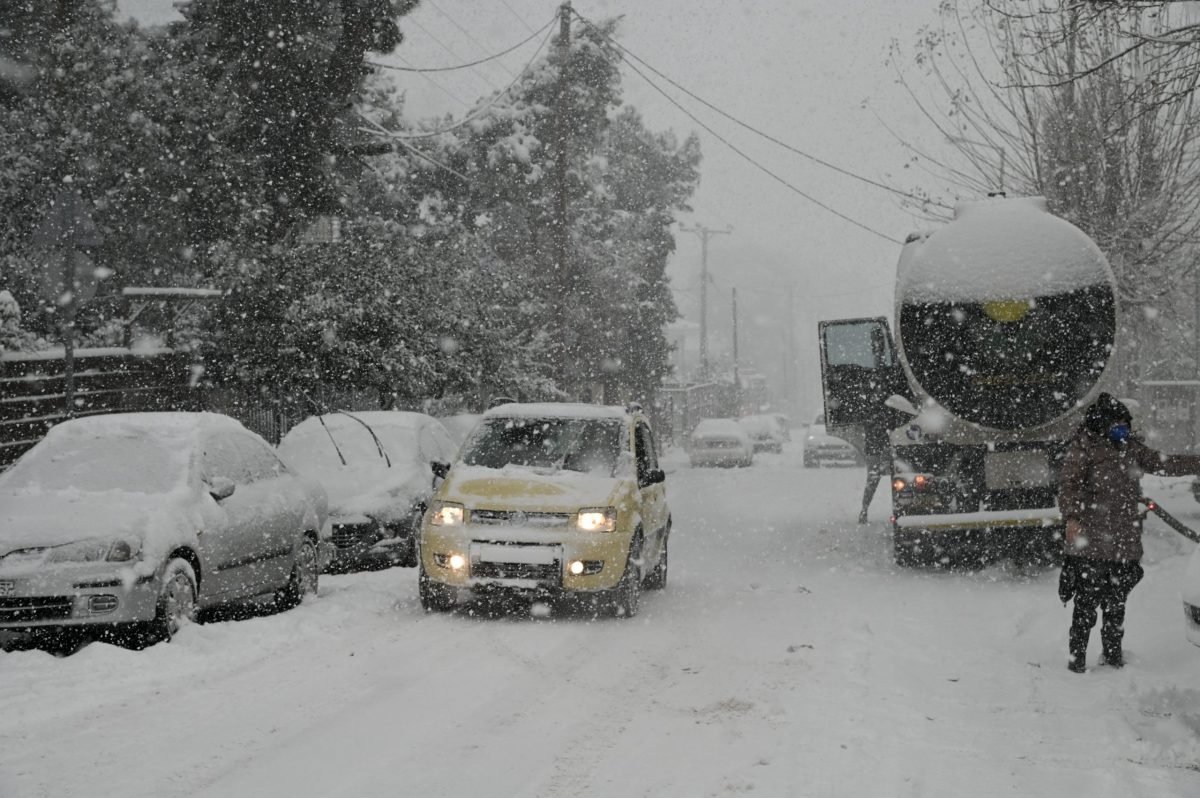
(787, 657)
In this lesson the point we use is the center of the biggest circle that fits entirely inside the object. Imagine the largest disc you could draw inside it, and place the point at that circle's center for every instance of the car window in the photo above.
(221, 457)
(260, 461)
(574, 444)
(647, 458)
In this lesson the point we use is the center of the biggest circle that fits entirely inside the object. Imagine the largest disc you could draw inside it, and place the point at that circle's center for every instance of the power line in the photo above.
(467, 65)
(435, 84)
(520, 18)
(467, 33)
(765, 170)
(471, 117)
(450, 50)
(767, 136)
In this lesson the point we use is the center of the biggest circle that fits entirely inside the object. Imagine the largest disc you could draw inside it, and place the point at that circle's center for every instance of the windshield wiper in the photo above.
(320, 418)
(378, 443)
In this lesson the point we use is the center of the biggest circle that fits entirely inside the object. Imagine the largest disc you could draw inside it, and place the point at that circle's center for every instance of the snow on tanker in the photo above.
(1005, 323)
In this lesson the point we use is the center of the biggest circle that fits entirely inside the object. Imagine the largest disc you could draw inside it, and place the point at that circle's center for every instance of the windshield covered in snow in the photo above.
(131, 462)
(311, 446)
(587, 445)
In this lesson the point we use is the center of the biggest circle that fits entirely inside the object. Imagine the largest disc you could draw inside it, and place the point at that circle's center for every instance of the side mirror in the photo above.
(221, 488)
(440, 469)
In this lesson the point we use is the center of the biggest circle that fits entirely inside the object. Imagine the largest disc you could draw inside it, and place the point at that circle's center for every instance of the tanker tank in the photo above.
(1006, 316)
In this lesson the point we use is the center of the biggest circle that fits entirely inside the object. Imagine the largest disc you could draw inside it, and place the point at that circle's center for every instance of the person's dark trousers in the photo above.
(876, 468)
(1104, 586)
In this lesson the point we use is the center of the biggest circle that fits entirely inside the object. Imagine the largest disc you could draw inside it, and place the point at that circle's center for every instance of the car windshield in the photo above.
(132, 462)
(588, 445)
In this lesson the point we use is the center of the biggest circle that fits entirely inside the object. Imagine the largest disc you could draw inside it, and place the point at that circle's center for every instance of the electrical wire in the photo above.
(450, 50)
(520, 18)
(516, 46)
(756, 131)
(747, 158)
(433, 82)
(468, 34)
(467, 119)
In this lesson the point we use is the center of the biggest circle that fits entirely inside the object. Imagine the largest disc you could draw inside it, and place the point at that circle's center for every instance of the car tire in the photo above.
(304, 579)
(657, 578)
(410, 556)
(176, 601)
(627, 595)
(434, 597)
(810, 462)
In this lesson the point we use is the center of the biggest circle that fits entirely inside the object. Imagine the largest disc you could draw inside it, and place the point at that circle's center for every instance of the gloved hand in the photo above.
(1068, 579)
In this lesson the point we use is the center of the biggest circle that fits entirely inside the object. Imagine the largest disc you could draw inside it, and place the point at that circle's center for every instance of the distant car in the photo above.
(820, 447)
(459, 426)
(765, 431)
(720, 442)
(1191, 598)
(375, 466)
(554, 500)
(129, 523)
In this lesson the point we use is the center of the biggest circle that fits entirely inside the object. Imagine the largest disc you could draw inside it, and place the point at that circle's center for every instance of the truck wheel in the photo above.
(626, 597)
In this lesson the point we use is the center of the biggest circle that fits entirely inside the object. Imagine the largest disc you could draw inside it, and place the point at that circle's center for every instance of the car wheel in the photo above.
(657, 578)
(409, 558)
(627, 596)
(434, 597)
(176, 600)
(304, 579)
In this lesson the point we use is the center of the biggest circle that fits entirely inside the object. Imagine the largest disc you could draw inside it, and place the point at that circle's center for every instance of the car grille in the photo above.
(541, 572)
(346, 536)
(518, 518)
(35, 608)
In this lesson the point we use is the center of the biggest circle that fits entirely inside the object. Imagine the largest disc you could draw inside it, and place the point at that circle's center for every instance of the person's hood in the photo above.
(40, 520)
(522, 488)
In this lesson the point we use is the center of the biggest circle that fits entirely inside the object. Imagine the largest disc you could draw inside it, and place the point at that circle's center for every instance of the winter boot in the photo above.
(1113, 658)
(862, 517)
(1077, 665)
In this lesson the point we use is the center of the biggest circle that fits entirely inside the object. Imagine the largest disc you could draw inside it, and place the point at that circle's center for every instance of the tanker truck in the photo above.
(1005, 324)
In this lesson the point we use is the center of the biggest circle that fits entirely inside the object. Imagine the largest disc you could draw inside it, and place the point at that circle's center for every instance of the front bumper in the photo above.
(76, 595)
(524, 560)
(352, 539)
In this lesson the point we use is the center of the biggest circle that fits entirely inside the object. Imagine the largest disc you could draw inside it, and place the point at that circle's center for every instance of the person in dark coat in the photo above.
(1098, 497)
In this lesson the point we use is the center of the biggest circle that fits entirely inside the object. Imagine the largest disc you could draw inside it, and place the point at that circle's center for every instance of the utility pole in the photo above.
(737, 380)
(704, 233)
(564, 276)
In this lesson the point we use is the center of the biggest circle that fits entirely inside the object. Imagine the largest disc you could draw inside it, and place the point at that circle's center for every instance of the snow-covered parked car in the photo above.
(375, 466)
(1191, 598)
(460, 425)
(765, 431)
(720, 442)
(820, 447)
(131, 522)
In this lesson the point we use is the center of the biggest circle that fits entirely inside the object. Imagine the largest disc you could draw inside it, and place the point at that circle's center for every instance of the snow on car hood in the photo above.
(39, 519)
(528, 489)
(819, 436)
(374, 491)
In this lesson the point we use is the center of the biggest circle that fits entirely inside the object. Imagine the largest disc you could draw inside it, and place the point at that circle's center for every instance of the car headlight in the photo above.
(596, 519)
(447, 514)
(95, 550)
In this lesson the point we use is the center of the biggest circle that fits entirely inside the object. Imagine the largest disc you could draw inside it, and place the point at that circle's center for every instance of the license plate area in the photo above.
(1016, 469)
(8, 588)
(522, 562)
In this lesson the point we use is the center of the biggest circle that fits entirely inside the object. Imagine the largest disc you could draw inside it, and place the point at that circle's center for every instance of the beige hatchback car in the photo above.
(554, 500)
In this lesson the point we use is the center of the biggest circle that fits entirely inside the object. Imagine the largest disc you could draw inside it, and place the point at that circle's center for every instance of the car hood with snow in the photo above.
(522, 488)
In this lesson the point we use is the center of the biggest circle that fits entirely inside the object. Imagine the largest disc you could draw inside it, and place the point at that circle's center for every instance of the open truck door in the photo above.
(859, 371)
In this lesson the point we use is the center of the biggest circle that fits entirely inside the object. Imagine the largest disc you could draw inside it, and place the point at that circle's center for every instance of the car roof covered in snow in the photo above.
(556, 410)
(174, 424)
